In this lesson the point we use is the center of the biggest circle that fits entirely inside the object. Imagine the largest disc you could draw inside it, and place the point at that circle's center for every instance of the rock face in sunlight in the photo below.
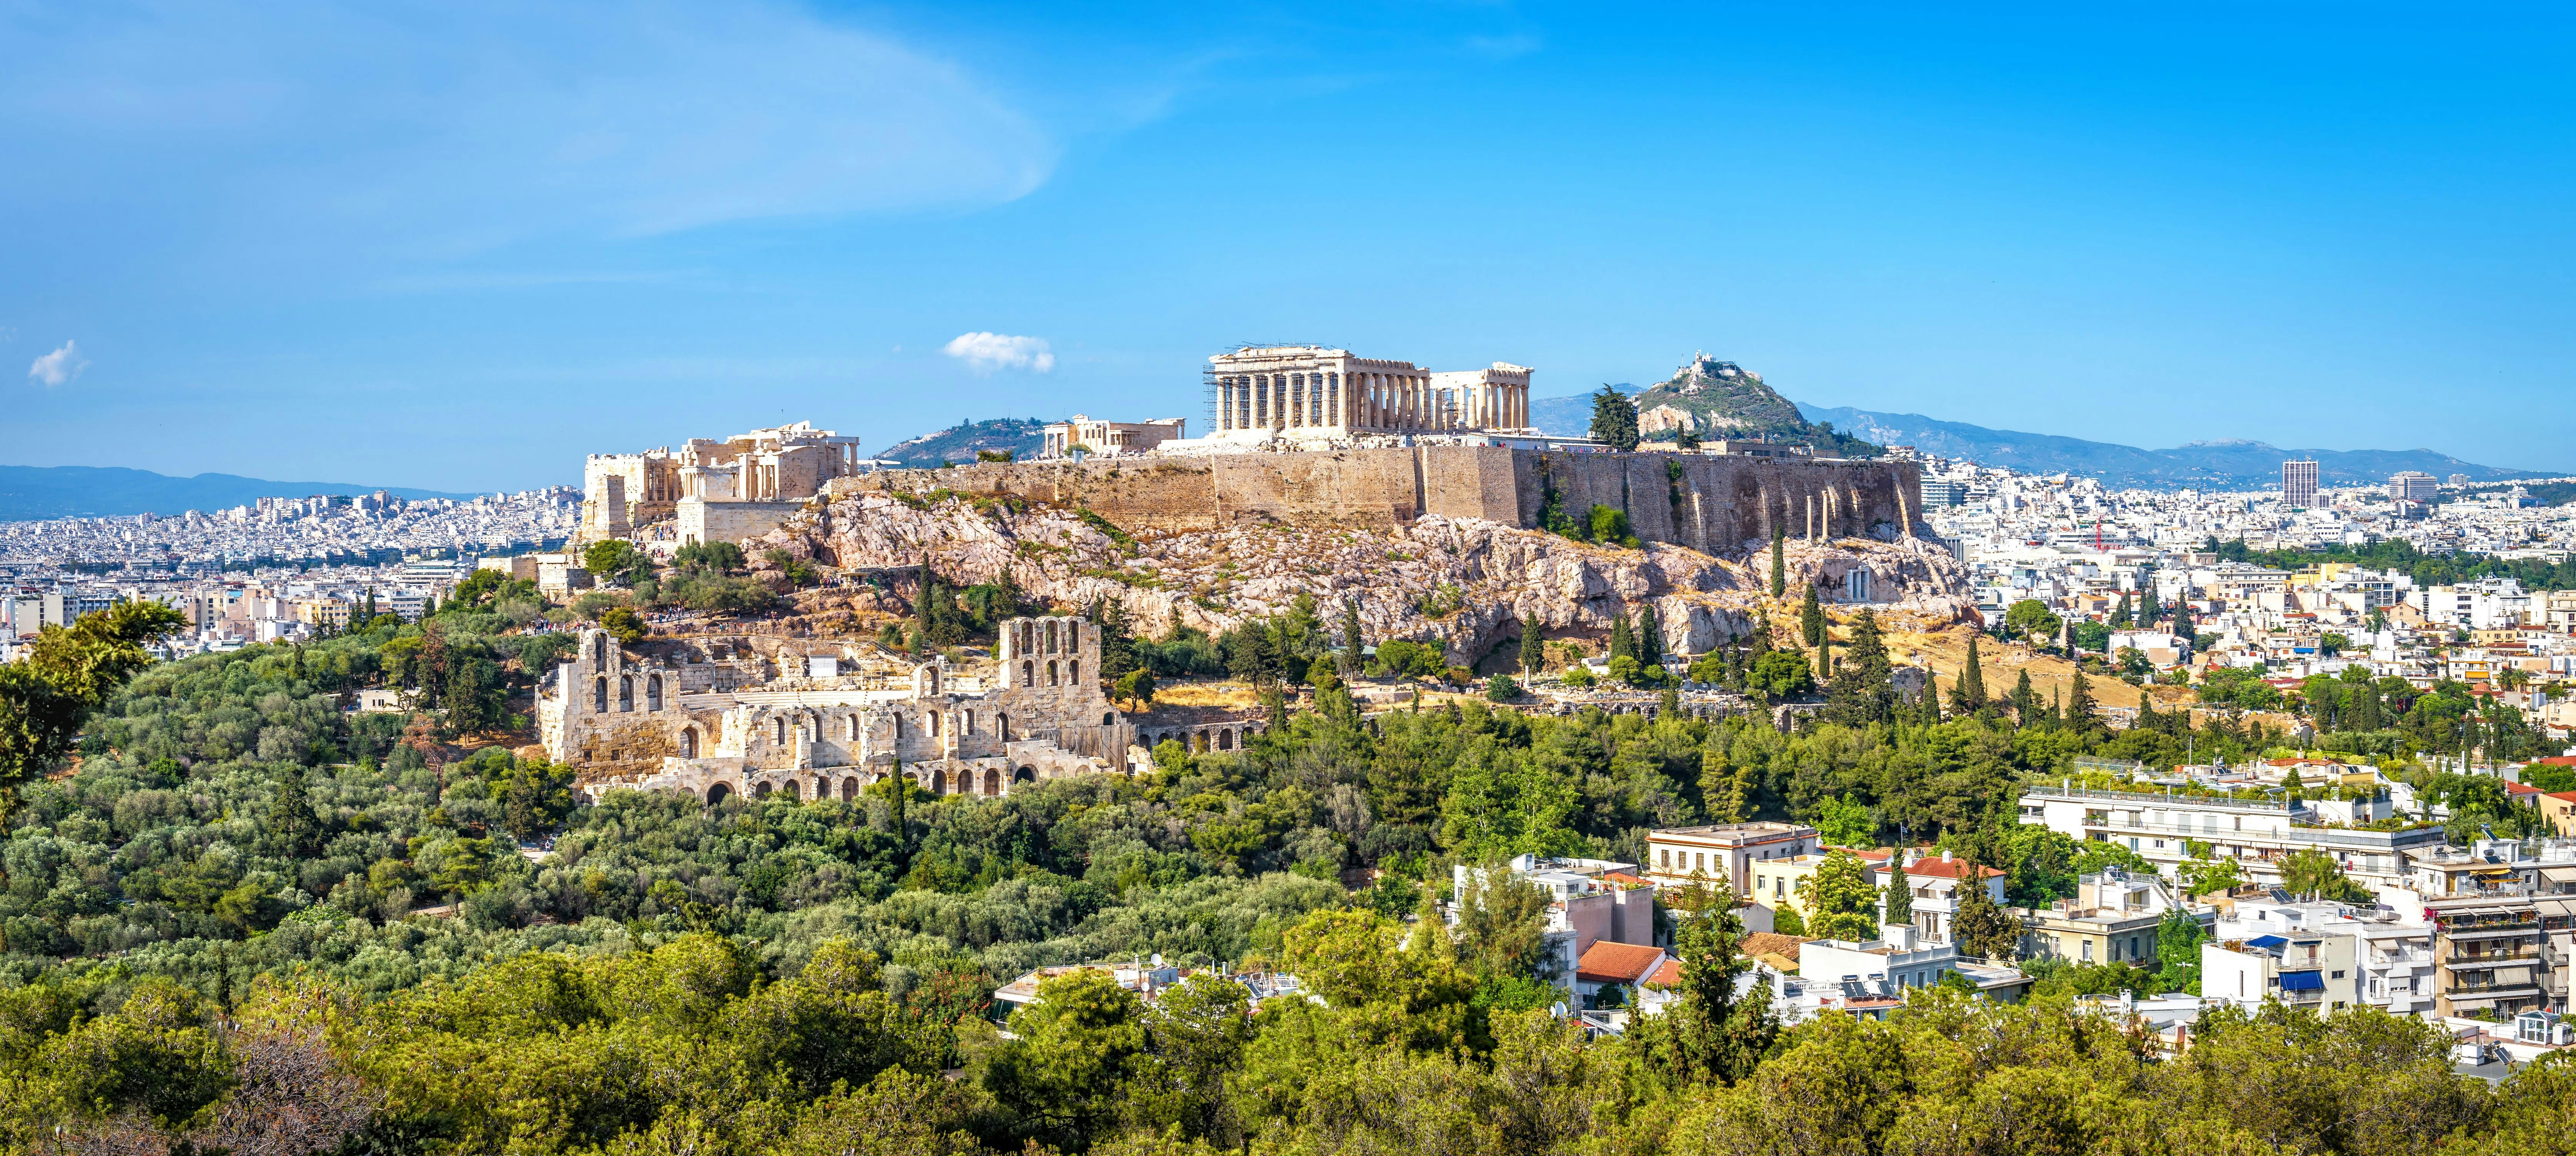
(1468, 583)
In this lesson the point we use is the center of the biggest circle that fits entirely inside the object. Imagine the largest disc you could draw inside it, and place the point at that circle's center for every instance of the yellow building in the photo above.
(331, 612)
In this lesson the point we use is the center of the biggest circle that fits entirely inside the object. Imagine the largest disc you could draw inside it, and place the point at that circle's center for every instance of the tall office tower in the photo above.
(2299, 483)
(2412, 486)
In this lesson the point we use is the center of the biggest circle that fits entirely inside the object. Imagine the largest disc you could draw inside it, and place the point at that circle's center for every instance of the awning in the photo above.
(2483, 996)
(2266, 941)
(2565, 874)
(2303, 981)
(2489, 934)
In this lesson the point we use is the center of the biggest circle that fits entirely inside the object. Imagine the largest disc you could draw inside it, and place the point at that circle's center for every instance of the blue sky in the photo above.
(459, 245)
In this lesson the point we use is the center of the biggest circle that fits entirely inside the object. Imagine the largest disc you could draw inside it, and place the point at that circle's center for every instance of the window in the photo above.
(2338, 975)
(1667, 859)
(780, 726)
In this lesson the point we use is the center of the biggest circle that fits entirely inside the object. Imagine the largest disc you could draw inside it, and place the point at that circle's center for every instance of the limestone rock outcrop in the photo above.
(1467, 583)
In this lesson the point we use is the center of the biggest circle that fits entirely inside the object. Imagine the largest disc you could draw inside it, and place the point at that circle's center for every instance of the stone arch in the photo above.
(992, 781)
(625, 693)
(688, 742)
(760, 790)
(1073, 672)
(652, 692)
(599, 651)
(850, 788)
(599, 695)
(716, 793)
(1028, 672)
(1197, 742)
(822, 788)
(1051, 673)
(778, 729)
(1225, 740)
(935, 782)
(789, 788)
(933, 716)
(1025, 775)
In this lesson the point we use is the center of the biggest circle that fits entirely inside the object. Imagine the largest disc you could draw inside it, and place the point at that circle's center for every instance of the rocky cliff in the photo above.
(1469, 583)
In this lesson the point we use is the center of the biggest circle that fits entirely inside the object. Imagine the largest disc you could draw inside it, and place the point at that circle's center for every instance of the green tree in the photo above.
(1839, 901)
(1811, 618)
(1712, 1036)
(1064, 1078)
(1781, 674)
(1897, 908)
(2311, 872)
(623, 624)
(1982, 927)
(2031, 621)
(1969, 695)
(67, 674)
(2080, 709)
(1845, 821)
(616, 560)
(2178, 940)
(1779, 562)
(1533, 653)
(1614, 419)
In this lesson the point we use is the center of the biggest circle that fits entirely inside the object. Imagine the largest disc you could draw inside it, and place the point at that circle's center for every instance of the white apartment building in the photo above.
(2257, 833)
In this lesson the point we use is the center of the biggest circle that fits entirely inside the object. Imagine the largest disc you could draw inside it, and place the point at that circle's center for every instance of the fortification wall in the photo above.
(1710, 503)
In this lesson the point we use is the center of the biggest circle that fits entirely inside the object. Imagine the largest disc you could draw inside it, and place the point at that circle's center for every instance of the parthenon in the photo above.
(1310, 391)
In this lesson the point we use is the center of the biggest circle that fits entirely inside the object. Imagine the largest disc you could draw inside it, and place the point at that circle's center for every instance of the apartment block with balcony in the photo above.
(2499, 954)
(2313, 970)
(2113, 918)
(2257, 833)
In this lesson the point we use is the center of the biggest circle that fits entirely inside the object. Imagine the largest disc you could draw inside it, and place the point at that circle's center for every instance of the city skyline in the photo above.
(893, 218)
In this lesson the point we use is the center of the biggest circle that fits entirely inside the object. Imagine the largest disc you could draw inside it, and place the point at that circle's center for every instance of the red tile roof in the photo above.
(1609, 962)
(1944, 869)
(1667, 976)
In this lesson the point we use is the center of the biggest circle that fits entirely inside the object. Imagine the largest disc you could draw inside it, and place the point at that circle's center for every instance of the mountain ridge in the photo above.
(35, 493)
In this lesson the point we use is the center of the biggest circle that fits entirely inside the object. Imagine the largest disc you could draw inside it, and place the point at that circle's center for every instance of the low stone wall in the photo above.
(1710, 503)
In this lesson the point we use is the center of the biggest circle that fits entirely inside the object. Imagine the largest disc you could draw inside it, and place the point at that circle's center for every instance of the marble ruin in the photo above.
(714, 726)
(1310, 393)
(710, 490)
(1109, 438)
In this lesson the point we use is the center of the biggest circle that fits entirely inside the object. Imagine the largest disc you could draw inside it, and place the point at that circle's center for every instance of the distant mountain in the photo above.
(1023, 437)
(31, 493)
(2232, 464)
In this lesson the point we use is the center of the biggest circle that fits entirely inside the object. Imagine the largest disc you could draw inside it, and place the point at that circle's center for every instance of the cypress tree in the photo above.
(2150, 611)
(1779, 562)
(1825, 662)
(1811, 618)
(1900, 893)
(2025, 701)
(1352, 644)
(2121, 614)
(1969, 695)
(2080, 707)
(1650, 638)
(1533, 649)
(1623, 642)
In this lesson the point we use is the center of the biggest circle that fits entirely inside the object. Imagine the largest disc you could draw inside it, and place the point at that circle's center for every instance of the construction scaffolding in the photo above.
(1210, 399)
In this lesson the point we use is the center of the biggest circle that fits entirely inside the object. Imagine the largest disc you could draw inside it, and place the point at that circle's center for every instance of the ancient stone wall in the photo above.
(705, 521)
(1707, 502)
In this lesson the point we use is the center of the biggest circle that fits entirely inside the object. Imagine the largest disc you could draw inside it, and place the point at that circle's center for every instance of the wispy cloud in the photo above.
(990, 351)
(57, 367)
(461, 127)
(1502, 47)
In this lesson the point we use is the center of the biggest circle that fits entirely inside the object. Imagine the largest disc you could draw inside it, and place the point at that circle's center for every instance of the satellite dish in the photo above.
(1557, 1009)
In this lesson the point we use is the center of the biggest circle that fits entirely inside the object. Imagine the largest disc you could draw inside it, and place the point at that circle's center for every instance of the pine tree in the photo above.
(1533, 649)
(1779, 562)
(1352, 645)
(1650, 638)
(1811, 618)
(1614, 419)
(1969, 696)
(1899, 908)
(2025, 701)
(2080, 707)
(1931, 700)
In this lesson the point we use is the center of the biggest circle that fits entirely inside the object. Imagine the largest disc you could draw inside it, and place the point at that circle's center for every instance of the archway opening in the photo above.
(760, 791)
(790, 788)
(992, 782)
(625, 692)
(850, 788)
(718, 793)
(1025, 775)
(689, 743)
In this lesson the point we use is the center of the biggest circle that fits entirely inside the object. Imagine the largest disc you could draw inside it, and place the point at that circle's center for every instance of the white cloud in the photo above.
(59, 366)
(465, 126)
(990, 351)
